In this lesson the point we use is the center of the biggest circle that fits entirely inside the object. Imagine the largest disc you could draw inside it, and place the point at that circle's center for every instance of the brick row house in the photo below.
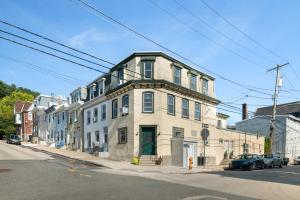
(153, 106)
(23, 119)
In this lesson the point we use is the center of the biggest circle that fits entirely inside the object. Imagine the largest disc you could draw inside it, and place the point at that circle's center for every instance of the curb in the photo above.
(65, 157)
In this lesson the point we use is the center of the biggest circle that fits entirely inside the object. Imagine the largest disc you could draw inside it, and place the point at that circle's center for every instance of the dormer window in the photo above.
(121, 76)
(101, 87)
(204, 86)
(193, 82)
(147, 69)
(177, 75)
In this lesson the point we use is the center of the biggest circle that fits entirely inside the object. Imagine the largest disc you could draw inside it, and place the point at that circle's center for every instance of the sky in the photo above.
(227, 53)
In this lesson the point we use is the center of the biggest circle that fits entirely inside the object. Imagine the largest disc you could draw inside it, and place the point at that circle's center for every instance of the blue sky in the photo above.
(273, 23)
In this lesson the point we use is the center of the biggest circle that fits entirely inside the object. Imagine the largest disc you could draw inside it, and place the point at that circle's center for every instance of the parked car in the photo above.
(13, 139)
(297, 161)
(247, 161)
(272, 160)
(286, 161)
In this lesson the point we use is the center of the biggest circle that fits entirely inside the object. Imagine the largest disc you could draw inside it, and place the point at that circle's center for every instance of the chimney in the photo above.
(245, 111)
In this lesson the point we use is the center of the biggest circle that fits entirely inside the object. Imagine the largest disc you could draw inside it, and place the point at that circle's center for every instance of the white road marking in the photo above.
(204, 197)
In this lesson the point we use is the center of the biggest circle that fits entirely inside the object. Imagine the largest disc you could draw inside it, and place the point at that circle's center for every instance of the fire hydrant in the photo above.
(190, 163)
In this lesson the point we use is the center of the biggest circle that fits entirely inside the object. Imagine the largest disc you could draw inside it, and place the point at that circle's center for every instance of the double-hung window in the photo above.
(97, 136)
(193, 82)
(103, 112)
(122, 135)
(95, 118)
(177, 75)
(171, 104)
(148, 69)
(148, 102)
(204, 86)
(197, 111)
(125, 104)
(185, 108)
(115, 108)
(88, 117)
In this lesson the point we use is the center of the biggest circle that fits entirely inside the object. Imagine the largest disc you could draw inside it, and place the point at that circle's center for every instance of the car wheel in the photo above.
(280, 166)
(251, 167)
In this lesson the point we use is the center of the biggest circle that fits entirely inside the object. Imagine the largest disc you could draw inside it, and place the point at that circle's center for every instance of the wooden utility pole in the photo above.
(272, 126)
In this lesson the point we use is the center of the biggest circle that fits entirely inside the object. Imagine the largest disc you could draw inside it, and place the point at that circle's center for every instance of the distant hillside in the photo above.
(9, 94)
(6, 90)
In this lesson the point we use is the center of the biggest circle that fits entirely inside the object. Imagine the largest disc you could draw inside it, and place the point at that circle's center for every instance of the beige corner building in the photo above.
(159, 107)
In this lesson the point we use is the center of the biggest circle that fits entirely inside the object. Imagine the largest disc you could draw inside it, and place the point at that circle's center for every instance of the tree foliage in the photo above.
(267, 145)
(8, 97)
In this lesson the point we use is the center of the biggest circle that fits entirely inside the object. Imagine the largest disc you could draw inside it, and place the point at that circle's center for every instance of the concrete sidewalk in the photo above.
(121, 165)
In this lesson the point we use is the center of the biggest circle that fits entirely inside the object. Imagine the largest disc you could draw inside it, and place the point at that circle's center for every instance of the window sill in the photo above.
(147, 112)
(173, 114)
(122, 143)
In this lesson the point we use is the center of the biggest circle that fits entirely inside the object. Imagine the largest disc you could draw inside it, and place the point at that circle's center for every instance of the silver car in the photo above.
(297, 161)
(272, 160)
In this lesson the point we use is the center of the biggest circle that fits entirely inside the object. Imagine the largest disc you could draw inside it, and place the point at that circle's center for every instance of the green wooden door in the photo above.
(148, 140)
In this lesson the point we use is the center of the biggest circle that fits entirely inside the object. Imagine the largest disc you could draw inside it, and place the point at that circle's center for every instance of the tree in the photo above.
(7, 107)
(267, 145)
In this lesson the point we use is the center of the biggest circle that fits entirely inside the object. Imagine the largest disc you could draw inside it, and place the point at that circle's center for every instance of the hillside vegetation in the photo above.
(9, 94)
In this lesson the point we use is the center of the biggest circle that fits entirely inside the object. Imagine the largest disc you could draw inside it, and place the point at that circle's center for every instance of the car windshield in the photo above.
(245, 156)
(14, 137)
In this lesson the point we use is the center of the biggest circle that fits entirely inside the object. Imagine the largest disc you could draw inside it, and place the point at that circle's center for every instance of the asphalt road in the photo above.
(25, 174)
(286, 175)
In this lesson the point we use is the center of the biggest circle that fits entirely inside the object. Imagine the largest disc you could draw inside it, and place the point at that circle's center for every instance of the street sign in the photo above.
(204, 134)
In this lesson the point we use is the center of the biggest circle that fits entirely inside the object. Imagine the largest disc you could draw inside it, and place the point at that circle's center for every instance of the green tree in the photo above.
(267, 145)
(7, 107)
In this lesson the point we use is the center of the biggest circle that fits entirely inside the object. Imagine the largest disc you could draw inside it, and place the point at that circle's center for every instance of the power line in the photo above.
(220, 32)
(201, 34)
(249, 37)
(54, 49)
(51, 54)
(42, 70)
(48, 39)
(98, 12)
(242, 32)
(53, 41)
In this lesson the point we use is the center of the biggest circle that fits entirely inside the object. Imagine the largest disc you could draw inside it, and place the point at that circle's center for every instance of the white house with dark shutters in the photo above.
(95, 117)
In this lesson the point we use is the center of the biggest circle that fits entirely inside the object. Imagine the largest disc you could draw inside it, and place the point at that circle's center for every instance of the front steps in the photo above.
(148, 160)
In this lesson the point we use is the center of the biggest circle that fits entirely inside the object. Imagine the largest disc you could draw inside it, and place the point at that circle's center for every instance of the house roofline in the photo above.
(158, 53)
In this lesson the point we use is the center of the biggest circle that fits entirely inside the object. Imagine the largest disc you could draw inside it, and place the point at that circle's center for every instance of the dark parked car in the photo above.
(13, 139)
(286, 161)
(273, 160)
(247, 161)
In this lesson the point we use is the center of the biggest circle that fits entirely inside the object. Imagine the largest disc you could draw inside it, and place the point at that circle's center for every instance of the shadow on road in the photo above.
(286, 175)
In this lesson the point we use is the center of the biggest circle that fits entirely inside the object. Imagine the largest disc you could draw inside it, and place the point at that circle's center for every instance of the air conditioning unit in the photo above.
(124, 110)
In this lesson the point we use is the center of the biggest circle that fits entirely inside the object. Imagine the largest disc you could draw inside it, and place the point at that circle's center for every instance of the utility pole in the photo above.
(272, 126)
